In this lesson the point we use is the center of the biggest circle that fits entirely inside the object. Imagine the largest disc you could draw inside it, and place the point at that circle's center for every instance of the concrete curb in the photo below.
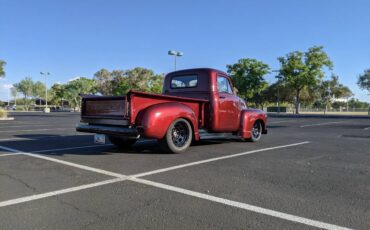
(318, 116)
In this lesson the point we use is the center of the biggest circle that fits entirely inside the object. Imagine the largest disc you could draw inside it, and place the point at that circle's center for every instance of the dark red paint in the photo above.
(203, 106)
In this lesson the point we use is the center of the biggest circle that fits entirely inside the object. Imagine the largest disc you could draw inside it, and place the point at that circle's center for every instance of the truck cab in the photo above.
(224, 109)
(195, 104)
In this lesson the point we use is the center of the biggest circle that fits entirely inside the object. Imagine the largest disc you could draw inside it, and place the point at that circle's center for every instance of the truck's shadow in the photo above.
(59, 145)
(152, 147)
(276, 126)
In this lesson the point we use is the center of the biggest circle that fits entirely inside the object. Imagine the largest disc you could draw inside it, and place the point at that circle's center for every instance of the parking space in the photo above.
(306, 173)
(129, 205)
(24, 176)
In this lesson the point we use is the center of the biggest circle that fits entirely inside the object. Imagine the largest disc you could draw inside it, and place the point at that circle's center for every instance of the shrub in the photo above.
(3, 113)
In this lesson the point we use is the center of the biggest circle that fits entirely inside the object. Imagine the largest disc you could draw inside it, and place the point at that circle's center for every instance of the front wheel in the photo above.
(256, 132)
(122, 142)
(178, 137)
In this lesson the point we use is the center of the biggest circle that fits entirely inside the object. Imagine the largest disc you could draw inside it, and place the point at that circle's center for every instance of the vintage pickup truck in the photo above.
(195, 104)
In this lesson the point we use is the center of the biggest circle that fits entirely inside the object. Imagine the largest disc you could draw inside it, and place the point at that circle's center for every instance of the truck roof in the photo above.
(197, 70)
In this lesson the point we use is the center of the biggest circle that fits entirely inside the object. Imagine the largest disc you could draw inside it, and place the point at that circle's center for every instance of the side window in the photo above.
(223, 85)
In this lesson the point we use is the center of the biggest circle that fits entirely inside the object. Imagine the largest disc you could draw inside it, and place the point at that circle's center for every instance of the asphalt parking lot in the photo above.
(307, 173)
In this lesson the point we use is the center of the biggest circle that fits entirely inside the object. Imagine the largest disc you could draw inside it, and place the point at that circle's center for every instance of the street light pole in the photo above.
(9, 96)
(278, 77)
(175, 62)
(14, 90)
(175, 54)
(46, 91)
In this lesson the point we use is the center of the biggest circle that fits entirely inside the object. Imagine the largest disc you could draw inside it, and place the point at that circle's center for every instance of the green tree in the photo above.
(364, 80)
(58, 94)
(304, 69)
(247, 75)
(120, 82)
(285, 93)
(329, 90)
(74, 89)
(104, 82)
(325, 93)
(308, 96)
(357, 104)
(26, 87)
(38, 90)
(141, 79)
(156, 83)
(2, 71)
(337, 89)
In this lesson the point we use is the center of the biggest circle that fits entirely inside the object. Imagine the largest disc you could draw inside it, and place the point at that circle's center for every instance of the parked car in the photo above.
(195, 104)
(11, 107)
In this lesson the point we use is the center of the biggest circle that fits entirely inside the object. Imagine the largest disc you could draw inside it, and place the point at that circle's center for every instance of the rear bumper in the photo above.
(109, 130)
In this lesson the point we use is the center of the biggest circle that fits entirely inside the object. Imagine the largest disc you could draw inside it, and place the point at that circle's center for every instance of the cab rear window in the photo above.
(184, 81)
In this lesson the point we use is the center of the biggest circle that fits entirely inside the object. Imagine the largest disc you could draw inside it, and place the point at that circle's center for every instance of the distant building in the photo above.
(341, 99)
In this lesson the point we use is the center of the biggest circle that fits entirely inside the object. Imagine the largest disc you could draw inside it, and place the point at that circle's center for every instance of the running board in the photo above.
(204, 135)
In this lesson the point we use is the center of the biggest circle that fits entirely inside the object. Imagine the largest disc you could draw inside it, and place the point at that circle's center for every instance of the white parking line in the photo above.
(367, 128)
(121, 177)
(217, 159)
(40, 137)
(9, 154)
(19, 126)
(241, 205)
(101, 171)
(58, 192)
(63, 149)
(81, 147)
(31, 130)
(17, 139)
(274, 122)
(26, 138)
(70, 148)
(319, 124)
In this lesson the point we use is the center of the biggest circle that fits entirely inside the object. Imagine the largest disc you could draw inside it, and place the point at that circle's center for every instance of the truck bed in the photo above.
(125, 110)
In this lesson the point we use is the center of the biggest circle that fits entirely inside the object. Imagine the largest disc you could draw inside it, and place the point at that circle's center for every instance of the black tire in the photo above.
(122, 142)
(256, 132)
(178, 137)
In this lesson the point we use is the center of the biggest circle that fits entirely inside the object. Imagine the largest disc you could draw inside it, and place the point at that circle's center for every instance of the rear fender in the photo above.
(156, 119)
(248, 118)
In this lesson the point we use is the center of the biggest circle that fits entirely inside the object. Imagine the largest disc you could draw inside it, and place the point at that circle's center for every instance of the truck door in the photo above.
(228, 106)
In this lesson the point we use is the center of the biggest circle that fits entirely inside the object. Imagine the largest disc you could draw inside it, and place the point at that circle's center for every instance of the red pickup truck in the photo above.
(195, 104)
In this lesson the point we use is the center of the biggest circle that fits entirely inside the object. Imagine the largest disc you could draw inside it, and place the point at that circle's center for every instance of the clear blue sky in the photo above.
(72, 38)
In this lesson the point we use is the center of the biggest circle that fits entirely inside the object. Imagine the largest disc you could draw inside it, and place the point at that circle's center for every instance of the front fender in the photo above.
(248, 117)
(156, 119)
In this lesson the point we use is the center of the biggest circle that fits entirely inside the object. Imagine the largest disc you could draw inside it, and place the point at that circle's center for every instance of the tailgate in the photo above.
(104, 110)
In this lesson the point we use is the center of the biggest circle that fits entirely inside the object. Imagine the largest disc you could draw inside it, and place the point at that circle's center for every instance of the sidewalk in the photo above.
(360, 115)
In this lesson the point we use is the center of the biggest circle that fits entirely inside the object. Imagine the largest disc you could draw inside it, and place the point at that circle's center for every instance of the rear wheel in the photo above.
(178, 137)
(122, 142)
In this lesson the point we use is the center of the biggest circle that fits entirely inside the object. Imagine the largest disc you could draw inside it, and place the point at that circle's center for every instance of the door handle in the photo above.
(222, 97)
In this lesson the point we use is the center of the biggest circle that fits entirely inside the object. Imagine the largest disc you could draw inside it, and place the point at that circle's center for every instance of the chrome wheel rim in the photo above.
(256, 130)
(180, 134)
